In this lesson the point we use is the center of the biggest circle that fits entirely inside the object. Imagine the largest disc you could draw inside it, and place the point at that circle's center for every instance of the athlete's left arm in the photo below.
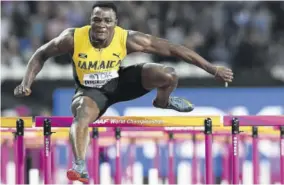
(140, 42)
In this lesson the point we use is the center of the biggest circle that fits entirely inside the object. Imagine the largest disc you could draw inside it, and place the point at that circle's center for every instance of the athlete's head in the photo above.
(103, 20)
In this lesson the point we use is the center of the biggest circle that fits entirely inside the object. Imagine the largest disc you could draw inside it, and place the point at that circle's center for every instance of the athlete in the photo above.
(97, 51)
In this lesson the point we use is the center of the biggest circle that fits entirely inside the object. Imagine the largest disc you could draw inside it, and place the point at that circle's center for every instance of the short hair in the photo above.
(106, 5)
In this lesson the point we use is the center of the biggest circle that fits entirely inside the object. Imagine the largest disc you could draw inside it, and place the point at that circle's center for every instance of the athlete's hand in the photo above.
(21, 91)
(224, 74)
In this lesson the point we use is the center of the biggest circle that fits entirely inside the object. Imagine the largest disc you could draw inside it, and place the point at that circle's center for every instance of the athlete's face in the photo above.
(103, 22)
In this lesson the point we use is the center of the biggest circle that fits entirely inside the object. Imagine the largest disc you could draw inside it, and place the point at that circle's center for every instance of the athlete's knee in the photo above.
(157, 75)
(86, 111)
(170, 75)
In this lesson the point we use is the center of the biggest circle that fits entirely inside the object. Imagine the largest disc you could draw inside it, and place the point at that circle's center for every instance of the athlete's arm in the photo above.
(60, 45)
(140, 42)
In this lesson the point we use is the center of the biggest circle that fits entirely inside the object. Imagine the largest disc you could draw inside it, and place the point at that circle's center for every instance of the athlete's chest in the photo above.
(98, 59)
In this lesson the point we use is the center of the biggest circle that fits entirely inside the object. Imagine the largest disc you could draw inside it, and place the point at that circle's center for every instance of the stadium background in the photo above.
(246, 36)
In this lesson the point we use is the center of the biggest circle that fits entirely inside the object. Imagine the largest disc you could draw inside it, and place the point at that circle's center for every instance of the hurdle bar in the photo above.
(11, 122)
(132, 121)
(20, 123)
(142, 122)
(236, 121)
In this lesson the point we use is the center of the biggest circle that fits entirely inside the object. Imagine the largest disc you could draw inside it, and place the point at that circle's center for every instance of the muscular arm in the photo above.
(139, 42)
(57, 46)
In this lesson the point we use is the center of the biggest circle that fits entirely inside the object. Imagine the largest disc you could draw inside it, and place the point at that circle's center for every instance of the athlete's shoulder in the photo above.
(86, 27)
(68, 32)
(67, 36)
(120, 29)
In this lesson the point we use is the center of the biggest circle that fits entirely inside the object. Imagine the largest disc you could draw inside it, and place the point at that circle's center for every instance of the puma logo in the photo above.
(116, 55)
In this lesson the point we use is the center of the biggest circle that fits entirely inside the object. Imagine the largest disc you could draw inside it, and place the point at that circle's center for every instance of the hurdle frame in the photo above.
(171, 175)
(255, 154)
(234, 123)
(282, 153)
(95, 146)
(117, 157)
(47, 151)
(19, 151)
(207, 124)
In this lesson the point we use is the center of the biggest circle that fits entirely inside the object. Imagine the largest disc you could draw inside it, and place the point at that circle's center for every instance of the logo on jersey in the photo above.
(116, 55)
(82, 55)
(96, 65)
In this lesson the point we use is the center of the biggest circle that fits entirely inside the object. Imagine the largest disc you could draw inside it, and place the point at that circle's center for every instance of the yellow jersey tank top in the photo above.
(95, 67)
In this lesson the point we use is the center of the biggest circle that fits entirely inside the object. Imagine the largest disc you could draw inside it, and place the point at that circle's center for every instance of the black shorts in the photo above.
(127, 86)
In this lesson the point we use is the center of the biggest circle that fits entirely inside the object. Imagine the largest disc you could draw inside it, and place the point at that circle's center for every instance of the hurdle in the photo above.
(236, 122)
(132, 123)
(248, 132)
(110, 133)
(251, 132)
(218, 131)
(20, 124)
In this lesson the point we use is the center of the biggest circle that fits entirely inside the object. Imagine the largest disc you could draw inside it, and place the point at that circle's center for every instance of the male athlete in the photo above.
(97, 51)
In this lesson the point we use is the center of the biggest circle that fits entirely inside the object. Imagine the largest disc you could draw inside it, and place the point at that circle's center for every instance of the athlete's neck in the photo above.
(100, 43)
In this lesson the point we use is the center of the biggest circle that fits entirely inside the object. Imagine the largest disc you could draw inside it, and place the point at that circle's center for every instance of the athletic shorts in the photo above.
(127, 86)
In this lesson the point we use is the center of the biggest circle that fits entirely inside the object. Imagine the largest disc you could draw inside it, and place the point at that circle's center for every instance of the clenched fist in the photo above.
(224, 74)
(21, 90)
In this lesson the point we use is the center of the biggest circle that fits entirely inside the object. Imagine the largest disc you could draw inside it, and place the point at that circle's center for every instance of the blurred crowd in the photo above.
(246, 36)
(243, 35)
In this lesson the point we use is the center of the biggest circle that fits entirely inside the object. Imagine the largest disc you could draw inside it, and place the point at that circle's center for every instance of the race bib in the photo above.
(98, 80)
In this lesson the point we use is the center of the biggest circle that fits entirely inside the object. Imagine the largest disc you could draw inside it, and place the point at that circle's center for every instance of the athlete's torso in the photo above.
(95, 67)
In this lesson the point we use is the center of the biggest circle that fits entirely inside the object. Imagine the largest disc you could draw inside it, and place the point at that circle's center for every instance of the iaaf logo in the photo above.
(101, 121)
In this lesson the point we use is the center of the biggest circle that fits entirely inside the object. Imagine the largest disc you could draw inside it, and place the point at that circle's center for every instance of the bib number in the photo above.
(98, 80)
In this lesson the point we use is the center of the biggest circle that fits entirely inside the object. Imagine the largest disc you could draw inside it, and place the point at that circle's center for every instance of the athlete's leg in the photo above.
(164, 78)
(161, 77)
(137, 80)
(85, 111)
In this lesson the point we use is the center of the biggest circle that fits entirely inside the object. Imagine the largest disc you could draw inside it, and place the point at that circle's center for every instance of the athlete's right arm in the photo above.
(62, 44)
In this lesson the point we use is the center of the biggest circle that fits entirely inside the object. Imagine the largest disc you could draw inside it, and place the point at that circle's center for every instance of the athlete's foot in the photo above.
(176, 103)
(78, 173)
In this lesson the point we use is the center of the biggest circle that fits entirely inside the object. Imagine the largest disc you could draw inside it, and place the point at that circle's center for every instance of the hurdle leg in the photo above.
(171, 167)
(47, 152)
(208, 151)
(255, 155)
(53, 164)
(242, 159)
(226, 163)
(41, 164)
(19, 153)
(95, 146)
(282, 154)
(235, 153)
(117, 159)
